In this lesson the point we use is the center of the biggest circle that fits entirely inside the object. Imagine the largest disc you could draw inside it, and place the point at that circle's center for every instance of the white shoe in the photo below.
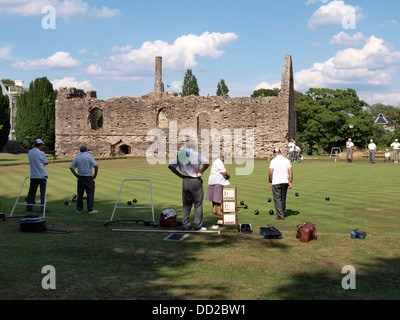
(93, 211)
(202, 229)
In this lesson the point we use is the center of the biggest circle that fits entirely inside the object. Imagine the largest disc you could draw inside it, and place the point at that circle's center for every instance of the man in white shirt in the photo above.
(349, 150)
(191, 166)
(372, 151)
(37, 162)
(395, 146)
(292, 145)
(280, 180)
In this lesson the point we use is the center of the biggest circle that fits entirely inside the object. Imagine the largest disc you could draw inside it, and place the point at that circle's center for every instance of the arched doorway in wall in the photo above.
(120, 149)
(124, 150)
(162, 121)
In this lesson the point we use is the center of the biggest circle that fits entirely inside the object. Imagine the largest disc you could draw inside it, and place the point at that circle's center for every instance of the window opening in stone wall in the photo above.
(96, 119)
(162, 119)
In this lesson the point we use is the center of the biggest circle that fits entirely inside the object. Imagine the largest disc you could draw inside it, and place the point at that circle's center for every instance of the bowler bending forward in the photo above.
(191, 166)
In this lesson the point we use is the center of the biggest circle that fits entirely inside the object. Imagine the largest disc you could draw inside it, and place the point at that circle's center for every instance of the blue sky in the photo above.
(110, 46)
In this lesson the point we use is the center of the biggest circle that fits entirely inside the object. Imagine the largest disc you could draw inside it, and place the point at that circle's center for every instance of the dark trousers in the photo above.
(372, 157)
(192, 195)
(349, 153)
(85, 184)
(279, 192)
(35, 183)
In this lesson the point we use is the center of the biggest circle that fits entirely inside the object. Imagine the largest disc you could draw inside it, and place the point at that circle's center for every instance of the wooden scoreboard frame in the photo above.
(229, 207)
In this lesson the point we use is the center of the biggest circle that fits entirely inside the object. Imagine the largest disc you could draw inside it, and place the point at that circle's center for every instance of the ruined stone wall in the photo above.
(119, 126)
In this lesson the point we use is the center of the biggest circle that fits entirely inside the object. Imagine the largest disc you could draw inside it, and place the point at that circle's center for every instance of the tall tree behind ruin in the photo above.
(4, 119)
(36, 114)
(190, 86)
(222, 89)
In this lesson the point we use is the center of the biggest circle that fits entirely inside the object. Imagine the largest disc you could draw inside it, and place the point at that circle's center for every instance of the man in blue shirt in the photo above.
(37, 162)
(85, 164)
(191, 166)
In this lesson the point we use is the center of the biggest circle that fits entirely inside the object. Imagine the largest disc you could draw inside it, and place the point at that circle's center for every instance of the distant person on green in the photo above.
(349, 151)
(395, 146)
(372, 151)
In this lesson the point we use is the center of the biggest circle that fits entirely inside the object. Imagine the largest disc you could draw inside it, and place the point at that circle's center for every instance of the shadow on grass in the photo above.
(374, 281)
(95, 263)
(290, 212)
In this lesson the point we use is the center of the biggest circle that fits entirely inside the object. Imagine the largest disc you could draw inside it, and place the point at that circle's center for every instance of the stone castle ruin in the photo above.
(128, 125)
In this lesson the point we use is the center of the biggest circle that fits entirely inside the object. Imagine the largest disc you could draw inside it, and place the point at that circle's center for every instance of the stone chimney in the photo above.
(158, 85)
(287, 95)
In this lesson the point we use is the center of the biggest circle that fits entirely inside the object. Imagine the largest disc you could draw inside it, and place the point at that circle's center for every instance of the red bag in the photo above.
(168, 218)
(306, 232)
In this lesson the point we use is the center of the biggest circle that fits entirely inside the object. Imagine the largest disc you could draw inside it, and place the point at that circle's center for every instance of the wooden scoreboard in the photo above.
(229, 206)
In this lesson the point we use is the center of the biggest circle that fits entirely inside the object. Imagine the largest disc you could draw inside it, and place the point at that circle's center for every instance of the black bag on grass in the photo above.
(270, 232)
(32, 223)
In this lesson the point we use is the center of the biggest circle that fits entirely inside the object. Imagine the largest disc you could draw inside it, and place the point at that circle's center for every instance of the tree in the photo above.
(326, 118)
(4, 119)
(35, 116)
(8, 81)
(190, 86)
(222, 89)
(266, 93)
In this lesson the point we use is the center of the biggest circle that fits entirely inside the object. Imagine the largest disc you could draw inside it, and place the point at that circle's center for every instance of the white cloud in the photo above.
(315, 1)
(392, 99)
(176, 86)
(333, 14)
(182, 54)
(373, 65)
(71, 82)
(105, 12)
(5, 53)
(60, 59)
(266, 85)
(343, 38)
(71, 8)
(390, 23)
(64, 8)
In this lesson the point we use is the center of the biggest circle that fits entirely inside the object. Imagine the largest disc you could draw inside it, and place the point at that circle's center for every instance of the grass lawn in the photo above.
(93, 262)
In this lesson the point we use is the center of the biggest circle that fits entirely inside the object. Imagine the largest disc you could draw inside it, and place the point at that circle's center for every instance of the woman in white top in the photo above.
(217, 180)
(387, 155)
